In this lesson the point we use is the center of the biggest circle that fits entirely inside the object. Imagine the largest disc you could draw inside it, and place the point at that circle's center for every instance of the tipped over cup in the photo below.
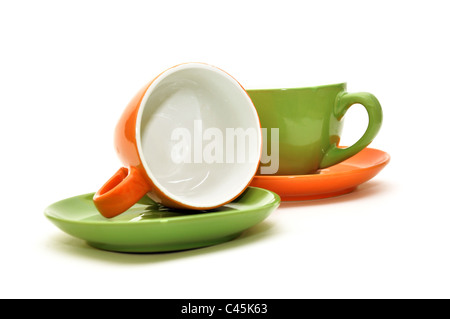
(190, 139)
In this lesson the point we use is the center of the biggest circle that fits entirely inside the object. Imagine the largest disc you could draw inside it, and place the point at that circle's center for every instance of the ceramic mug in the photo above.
(183, 97)
(309, 123)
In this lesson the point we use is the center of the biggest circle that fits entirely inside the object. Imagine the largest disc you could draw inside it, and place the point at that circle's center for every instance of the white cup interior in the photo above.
(197, 98)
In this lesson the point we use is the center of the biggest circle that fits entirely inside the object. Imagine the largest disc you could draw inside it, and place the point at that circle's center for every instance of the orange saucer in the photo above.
(336, 180)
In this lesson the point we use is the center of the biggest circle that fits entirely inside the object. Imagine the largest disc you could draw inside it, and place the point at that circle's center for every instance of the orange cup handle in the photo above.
(120, 192)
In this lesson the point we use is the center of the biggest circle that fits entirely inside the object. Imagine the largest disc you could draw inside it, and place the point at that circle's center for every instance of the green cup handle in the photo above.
(335, 154)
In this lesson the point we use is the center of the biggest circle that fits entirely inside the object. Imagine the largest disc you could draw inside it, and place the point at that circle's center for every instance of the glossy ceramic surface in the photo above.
(150, 227)
(310, 124)
(333, 181)
(191, 96)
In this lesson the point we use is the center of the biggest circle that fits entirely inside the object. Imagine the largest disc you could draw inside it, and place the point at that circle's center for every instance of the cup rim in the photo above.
(342, 84)
(147, 94)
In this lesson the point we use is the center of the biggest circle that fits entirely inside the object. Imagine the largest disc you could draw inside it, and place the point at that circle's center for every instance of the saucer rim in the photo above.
(385, 160)
(274, 202)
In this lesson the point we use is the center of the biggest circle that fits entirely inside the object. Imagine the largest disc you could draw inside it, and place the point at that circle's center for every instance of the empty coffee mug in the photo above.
(302, 127)
(165, 142)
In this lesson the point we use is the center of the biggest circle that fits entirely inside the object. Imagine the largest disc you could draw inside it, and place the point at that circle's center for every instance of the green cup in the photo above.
(309, 122)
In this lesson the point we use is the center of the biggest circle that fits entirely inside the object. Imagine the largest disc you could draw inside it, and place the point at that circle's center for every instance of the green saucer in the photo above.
(150, 227)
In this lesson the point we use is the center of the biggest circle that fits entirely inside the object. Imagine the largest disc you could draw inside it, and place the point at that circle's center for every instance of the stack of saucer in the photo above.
(204, 160)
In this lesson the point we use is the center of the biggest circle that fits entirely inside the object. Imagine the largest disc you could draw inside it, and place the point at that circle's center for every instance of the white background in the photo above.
(68, 69)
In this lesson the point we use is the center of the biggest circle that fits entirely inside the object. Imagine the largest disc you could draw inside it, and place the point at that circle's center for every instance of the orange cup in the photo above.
(165, 136)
